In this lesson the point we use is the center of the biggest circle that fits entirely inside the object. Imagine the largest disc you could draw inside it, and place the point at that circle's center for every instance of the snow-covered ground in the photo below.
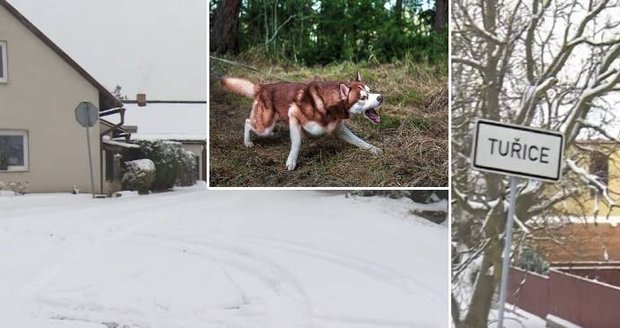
(515, 317)
(197, 258)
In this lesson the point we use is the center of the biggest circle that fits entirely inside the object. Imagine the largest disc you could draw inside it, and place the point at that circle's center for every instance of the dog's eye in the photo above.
(364, 97)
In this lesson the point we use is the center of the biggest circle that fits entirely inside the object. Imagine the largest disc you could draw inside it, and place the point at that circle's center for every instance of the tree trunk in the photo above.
(225, 26)
(478, 312)
(456, 312)
(440, 22)
(491, 269)
(399, 12)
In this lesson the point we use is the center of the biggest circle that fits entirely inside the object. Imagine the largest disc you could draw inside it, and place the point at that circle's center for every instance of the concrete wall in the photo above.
(40, 96)
(198, 150)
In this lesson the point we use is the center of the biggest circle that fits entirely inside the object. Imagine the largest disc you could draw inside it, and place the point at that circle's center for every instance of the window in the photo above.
(13, 150)
(599, 166)
(3, 63)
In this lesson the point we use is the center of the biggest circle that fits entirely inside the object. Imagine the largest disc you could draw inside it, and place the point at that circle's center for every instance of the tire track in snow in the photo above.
(289, 300)
(243, 249)
(375, 270)
(115, 231)
(347, 321)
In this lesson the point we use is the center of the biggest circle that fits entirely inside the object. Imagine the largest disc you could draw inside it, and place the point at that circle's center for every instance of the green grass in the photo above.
(413, 132)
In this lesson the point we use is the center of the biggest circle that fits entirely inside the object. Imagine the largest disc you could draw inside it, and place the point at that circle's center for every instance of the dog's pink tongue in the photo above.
(373, 116)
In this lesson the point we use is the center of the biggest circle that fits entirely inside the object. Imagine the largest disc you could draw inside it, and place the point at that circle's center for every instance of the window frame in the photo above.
(26, 135)
(4, 78)
(599, 167)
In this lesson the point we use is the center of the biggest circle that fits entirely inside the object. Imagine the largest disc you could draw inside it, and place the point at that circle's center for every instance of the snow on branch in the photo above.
(609, 58)
(592, 180)
(469, 62)
(522, 225)
(531, 96)
(472, 206)
(549, 202)
(599, 129)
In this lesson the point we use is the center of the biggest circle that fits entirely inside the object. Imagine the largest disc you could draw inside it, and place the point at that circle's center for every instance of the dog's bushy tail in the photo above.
(239, 86)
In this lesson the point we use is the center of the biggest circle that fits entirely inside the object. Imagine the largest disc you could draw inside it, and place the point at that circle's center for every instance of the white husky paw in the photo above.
(291, 164)
(248, 144)
(375, 151)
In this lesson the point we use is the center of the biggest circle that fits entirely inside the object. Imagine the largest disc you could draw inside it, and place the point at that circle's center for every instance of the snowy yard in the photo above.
(197, 258)
(515, 317)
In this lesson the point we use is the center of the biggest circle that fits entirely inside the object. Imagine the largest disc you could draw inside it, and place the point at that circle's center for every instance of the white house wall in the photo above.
(40, 96)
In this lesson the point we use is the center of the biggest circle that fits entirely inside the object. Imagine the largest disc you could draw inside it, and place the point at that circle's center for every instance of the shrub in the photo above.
(19, 187)
(189, 168)
(174, 165)
(530, 259)
(139, 175)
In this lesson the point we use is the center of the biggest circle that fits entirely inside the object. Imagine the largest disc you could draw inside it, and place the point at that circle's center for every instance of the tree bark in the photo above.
(478, 312)
(225, 26)
(440, 22)
(399, 12)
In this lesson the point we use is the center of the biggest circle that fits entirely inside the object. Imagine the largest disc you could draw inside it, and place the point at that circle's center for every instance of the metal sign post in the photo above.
(503, 286)
(515, 151)
(90, 163)
(87, 115)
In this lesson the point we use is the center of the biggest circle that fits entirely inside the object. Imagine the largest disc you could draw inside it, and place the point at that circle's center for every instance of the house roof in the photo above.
(107, 141)
(106, 98)
(178, 121)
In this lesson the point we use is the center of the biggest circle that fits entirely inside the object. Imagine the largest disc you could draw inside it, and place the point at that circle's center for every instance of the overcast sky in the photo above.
(152, 46)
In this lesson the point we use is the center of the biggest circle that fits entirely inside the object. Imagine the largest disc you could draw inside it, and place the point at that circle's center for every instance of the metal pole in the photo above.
(90, 164)
(507, 247)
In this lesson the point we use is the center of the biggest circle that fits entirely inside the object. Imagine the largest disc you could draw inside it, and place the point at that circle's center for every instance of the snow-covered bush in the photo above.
(188, 169)
(139, 175)
(174, 165)
(19, 187)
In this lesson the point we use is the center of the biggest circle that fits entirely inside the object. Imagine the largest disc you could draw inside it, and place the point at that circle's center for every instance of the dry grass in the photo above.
(413, 133)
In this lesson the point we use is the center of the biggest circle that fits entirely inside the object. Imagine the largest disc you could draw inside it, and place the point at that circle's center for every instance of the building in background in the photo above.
(40, 86)
(40, 141)
(180, 121)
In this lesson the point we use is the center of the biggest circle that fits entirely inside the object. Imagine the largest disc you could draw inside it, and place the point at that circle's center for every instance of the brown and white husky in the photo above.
(316, 108)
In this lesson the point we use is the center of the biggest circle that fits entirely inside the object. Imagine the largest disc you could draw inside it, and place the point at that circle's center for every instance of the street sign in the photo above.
(86, 114)
(518, 150)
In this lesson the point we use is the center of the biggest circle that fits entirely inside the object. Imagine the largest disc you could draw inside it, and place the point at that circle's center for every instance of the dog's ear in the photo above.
(358, 77)
(344, 91)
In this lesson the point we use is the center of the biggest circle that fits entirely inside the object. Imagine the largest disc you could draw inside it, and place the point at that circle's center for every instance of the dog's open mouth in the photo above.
(373, 116)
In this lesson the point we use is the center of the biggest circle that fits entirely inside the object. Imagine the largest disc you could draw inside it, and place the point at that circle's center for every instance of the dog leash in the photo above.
(233, 63)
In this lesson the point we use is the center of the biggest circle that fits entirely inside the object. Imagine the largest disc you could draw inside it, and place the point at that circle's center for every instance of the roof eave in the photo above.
(106, 99)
